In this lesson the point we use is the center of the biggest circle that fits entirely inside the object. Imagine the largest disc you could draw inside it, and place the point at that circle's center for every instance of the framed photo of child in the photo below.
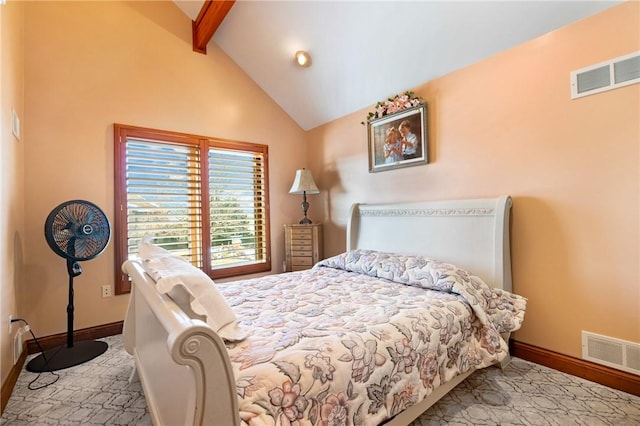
(398, 140)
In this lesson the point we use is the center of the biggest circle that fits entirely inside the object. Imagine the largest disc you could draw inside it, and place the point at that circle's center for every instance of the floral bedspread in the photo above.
(361, 336)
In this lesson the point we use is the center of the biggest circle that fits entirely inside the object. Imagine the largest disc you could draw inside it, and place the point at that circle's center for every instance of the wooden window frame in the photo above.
(121, 134)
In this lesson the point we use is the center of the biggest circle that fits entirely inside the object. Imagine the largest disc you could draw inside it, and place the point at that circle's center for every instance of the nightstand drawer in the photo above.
(301, 253)
(301, 233)
(301, 261)
(296, 241)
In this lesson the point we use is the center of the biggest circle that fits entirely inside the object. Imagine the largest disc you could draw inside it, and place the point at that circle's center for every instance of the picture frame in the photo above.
(387, 154)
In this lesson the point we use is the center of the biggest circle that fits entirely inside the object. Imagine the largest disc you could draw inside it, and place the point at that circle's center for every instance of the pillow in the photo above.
(184, 283)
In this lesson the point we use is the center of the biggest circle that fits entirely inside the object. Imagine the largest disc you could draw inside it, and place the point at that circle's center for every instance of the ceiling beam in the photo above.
(209, 19)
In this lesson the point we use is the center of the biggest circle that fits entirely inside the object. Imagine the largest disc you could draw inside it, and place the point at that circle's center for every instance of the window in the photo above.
(205, 199)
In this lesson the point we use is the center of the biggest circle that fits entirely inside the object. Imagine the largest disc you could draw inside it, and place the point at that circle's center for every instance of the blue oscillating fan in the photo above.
(76, 230)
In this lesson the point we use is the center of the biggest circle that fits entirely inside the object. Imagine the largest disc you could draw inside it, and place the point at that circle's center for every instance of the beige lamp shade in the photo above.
(304, 183)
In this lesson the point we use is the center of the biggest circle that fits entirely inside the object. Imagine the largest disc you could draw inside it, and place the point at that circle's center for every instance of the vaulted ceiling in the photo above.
(365, 51)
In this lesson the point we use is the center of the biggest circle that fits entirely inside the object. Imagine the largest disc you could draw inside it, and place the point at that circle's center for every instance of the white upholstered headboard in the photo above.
(472, 234)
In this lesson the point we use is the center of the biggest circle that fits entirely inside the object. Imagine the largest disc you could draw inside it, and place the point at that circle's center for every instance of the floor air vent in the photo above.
(605, 76)
(611, 352)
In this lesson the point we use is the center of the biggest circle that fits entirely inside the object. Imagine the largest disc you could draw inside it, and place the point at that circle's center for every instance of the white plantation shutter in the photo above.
(204, 199)
(237, 207)
(164, 197)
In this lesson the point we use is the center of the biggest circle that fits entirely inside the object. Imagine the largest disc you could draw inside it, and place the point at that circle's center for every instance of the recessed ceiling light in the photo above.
(303, 58)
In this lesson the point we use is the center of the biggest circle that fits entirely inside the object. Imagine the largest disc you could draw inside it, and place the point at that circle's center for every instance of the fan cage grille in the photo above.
(77, 230)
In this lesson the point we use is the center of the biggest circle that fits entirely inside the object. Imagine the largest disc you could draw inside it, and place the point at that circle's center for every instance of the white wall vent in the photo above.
(612, 352)
(604, 76)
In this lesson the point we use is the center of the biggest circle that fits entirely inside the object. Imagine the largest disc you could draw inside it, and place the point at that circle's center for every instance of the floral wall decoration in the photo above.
(393, 105)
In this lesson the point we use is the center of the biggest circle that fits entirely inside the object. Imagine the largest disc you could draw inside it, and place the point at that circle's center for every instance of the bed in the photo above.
(349, 341)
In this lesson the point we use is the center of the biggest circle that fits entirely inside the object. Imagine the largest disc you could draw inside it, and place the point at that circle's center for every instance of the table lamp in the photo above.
(304, 184)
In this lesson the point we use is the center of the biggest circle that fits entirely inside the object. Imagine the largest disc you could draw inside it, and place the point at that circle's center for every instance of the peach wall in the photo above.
(11, 176)
(507, 125)
(90, 64)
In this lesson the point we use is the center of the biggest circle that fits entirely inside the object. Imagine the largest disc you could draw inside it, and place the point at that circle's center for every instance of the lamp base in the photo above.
(305, 206)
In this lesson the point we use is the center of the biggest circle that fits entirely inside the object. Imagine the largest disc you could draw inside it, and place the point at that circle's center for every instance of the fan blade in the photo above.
(67, 218)
(81, 247)
(62, 238)
(91, 244)
(89, 216)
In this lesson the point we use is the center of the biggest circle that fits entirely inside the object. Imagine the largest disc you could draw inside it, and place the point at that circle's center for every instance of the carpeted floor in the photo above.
(98, 393)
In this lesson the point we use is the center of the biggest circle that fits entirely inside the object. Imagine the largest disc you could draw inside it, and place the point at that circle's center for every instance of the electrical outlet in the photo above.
(15, 124)
(106, 291)
(17, 346)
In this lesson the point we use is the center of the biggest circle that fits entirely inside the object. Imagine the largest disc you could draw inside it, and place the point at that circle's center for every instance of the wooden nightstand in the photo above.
(303, 246)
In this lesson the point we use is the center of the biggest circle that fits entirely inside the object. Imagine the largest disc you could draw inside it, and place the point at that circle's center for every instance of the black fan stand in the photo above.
(73, 353)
